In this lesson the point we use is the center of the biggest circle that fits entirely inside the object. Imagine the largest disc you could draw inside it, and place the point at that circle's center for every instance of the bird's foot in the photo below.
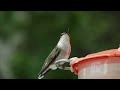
(60, 63)
(65, 60)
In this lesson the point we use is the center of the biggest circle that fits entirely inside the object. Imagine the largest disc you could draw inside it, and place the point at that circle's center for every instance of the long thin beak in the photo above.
(68, 32)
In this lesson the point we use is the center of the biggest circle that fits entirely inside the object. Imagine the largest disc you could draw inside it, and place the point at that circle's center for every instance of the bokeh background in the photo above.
(27, 37)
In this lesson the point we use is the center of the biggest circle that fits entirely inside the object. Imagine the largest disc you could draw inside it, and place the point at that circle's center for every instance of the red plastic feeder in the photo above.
(101, 65)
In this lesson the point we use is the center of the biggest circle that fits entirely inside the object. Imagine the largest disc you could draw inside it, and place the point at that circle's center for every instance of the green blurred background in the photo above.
(27, 37)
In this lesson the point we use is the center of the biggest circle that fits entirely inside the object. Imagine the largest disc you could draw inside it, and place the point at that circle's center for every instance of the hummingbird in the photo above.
(61, 52)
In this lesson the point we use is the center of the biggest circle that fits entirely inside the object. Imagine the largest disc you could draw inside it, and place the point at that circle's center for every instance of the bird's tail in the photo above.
(40, 76)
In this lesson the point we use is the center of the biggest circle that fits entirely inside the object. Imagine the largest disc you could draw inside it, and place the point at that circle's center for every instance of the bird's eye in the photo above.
(62, 34)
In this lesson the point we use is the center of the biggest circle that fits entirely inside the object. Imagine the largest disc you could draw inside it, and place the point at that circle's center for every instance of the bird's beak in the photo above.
(68, 32)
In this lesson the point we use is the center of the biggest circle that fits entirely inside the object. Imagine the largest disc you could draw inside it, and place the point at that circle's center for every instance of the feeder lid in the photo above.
(99, 55)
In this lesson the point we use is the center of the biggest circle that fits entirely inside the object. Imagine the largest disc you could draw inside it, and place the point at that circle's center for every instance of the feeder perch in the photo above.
(101, 65)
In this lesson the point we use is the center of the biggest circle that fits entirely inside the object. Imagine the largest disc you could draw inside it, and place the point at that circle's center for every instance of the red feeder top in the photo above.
(95, 56)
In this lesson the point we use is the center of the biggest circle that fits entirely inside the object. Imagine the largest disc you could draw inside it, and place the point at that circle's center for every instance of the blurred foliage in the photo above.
(27, 37)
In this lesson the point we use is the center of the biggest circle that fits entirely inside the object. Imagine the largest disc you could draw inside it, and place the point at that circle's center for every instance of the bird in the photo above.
(61, 51)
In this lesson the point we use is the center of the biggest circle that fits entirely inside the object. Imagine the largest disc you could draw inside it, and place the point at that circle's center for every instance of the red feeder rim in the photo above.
(95, 56)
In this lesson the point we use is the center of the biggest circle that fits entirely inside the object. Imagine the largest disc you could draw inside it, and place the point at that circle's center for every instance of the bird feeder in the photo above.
(101, 65)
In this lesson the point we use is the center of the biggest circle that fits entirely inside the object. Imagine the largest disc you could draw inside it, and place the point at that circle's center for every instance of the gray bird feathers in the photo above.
(61, 51)
(50, 60)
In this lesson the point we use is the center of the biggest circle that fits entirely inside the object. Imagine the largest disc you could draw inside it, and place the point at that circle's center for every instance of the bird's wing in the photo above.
(50, 59)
